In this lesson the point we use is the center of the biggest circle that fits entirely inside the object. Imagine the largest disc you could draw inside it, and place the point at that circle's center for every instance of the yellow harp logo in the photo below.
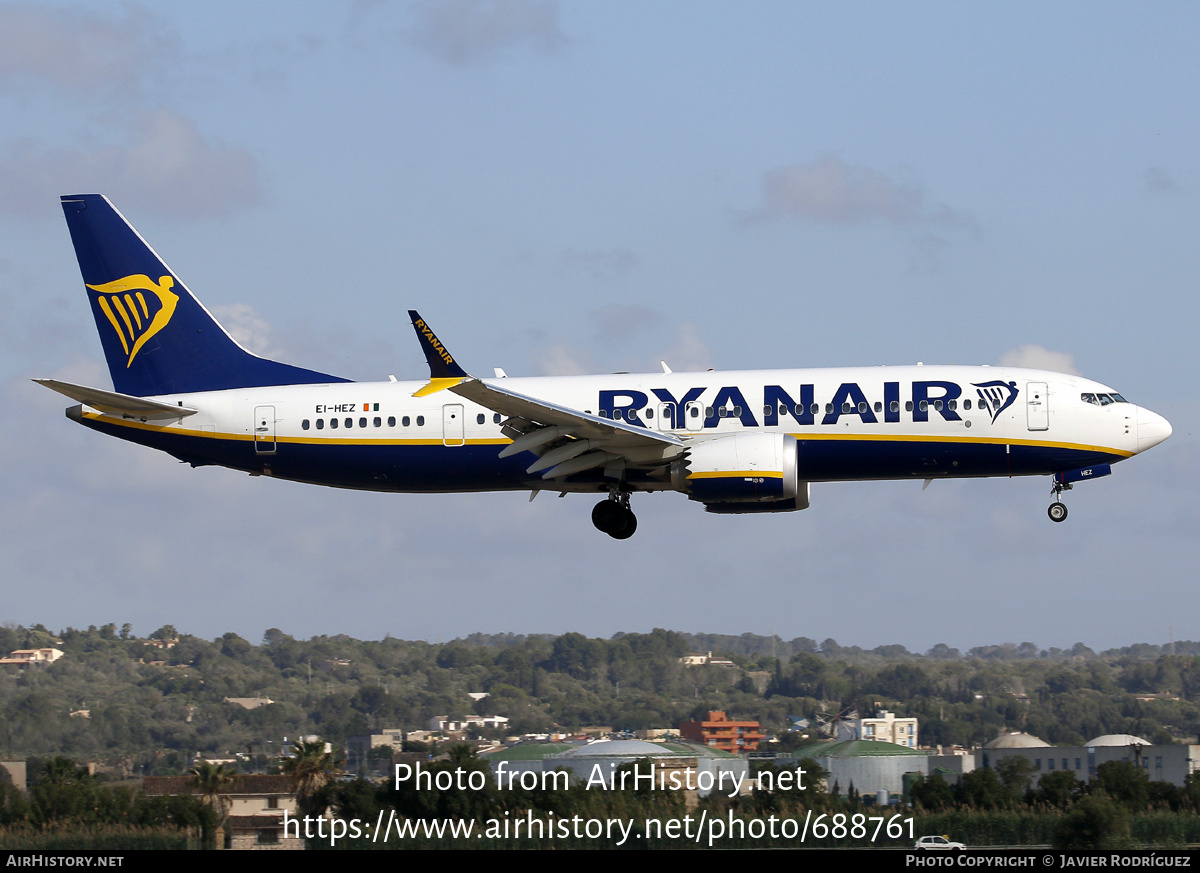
(133, 317)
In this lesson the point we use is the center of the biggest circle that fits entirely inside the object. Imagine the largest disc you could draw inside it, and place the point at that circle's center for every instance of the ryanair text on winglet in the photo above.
(433, 341)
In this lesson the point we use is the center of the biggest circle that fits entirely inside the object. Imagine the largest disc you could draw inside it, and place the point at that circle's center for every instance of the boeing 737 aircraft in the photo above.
(749, 441)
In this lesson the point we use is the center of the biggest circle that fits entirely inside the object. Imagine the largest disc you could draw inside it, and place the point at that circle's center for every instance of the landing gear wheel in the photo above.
(629, 525)
(1057, 511)
(614, 519)
(606, 516)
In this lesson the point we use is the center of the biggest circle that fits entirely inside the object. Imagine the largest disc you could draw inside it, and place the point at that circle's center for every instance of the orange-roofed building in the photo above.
(719, 732)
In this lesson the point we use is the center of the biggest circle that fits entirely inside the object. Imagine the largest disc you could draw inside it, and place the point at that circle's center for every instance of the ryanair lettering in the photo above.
(433, 341)
(801, 405)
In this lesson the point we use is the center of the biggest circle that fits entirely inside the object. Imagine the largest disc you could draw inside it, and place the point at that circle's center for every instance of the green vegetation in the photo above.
(148, 706)
(119, 699)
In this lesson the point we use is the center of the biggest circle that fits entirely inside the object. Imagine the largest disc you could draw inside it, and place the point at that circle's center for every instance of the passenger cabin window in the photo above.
(894, 406)
(420, 421)
(878, 406)
(320, 424)
(862, 406)
(406, 421)
(908, 405)
(333, 423)
(378, 421)
(495, 418)
(304, 424)
(966, 404)
(845, 407)
(349, 422)
(479, 419)
(362, 422)
(924, 405)
(391, 421)
(829, 409)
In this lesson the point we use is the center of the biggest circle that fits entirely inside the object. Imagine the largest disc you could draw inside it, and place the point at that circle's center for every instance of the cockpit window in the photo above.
(1105, 399)
(1102, 399)
(1089, 398)
(1119, 398)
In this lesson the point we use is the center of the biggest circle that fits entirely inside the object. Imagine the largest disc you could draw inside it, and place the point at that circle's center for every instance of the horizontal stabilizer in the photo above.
(113, 403)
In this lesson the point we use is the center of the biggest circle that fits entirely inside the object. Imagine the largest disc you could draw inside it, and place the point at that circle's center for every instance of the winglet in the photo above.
(443, 371)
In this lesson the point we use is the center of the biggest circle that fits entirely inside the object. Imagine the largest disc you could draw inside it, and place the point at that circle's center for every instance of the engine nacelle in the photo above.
(748, 472)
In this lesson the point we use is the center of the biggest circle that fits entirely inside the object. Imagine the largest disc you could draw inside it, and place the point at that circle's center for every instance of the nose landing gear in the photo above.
(614, 517)
(1058, 509)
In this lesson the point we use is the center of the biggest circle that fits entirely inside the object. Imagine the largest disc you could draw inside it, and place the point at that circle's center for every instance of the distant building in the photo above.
(883, 728)
(719, 732)
(870, 766)
(255, 813)
(445, 724)
(31, 658)
(359, 747)
(1167, 763)
(708, 660)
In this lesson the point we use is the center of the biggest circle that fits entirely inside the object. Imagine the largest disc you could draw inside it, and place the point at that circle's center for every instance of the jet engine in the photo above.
(749, 472)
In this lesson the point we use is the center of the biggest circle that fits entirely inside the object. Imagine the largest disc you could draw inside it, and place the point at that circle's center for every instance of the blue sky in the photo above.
(567, 187)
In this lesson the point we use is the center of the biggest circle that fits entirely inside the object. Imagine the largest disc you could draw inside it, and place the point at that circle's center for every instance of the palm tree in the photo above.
(214, 782)
(311, 768)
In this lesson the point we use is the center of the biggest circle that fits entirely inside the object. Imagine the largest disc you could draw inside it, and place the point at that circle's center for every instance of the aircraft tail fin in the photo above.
(158, 338)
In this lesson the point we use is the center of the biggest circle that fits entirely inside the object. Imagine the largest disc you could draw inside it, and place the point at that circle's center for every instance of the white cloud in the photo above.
(76, 50)
(561, 359)
(252, 332)
(834, 192)
(167, 167)
(1037, 358)
(467, 31)
(690, 353)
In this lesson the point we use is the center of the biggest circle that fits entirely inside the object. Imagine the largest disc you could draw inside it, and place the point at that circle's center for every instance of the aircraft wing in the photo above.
(580, 424)
(113, 403)
(565, 440)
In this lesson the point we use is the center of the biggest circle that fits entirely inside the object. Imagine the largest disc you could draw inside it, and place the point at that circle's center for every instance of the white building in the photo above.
(445, 724)
(883, 728)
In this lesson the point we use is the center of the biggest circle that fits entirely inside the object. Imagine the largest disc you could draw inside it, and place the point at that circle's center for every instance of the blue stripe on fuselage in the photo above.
(409, 466)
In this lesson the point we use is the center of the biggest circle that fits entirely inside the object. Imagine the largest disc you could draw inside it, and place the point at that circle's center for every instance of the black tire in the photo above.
(627, 529)
(607, 516)
(1057, 511)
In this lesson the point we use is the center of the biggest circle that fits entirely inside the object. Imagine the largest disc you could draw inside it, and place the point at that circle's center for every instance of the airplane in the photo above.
(735, 442)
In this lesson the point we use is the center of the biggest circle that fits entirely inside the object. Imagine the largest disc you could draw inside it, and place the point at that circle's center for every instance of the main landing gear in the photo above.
(1058, 509)
(614, 517)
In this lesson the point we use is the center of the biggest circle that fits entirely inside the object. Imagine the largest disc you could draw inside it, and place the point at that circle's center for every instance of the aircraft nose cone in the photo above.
(1152, 429)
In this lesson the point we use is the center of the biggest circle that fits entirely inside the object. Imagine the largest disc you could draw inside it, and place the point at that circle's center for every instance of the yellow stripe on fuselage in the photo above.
(249, 437)
(738, 474)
